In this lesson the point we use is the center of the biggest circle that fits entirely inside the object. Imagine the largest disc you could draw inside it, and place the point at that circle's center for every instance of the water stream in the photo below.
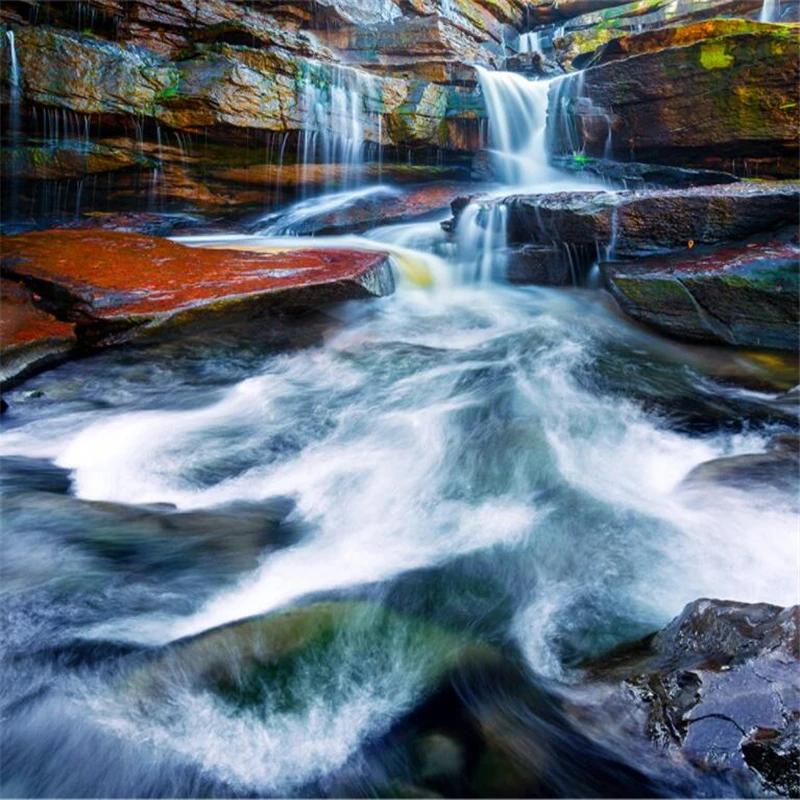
(484, 462)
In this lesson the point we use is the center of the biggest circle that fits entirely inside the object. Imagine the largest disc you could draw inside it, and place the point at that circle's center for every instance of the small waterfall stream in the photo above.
(770, 11)
(14, 119)
(519, 134)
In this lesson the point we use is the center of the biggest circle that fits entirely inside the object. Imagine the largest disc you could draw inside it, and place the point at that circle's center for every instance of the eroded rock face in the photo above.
(707, 104)
(583, 34)
(223, 66)
(112, 283)
(744, 296)
(717, 688)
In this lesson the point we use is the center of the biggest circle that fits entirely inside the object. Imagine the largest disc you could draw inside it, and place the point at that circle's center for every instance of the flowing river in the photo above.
(503, 464)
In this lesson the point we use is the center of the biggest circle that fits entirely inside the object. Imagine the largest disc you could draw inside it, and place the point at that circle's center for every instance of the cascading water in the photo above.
(517, 109)
(398, 476)
(15, 90)
(342, 112)
(770, 11)
(530, 42)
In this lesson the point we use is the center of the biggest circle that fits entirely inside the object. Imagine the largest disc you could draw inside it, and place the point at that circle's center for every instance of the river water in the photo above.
(460, 461)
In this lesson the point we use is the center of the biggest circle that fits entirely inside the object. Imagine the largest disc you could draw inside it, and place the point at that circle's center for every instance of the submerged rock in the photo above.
(31, 339)
(716, 688)
(745, 296)
(112, 283)
(776, 470)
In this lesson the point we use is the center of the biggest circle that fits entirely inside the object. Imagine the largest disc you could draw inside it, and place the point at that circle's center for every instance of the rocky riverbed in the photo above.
(400, 398)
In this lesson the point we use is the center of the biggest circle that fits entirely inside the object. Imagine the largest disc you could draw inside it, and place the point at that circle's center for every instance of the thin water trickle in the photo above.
(14, 119)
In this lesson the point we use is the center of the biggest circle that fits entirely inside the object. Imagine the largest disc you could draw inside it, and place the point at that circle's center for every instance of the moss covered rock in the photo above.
(744, 296)
(727, 101)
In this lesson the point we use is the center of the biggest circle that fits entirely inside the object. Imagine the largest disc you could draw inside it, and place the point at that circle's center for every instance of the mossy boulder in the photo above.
(726, 101)
(248, 662)
(744, 296)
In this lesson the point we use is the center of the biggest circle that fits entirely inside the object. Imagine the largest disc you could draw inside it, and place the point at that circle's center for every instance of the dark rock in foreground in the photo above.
(745, 296)
(717, 688)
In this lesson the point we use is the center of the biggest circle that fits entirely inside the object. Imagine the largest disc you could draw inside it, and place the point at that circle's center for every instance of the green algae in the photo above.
(715, 55)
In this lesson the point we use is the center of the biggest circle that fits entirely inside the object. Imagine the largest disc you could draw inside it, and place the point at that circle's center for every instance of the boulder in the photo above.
(777, 469)
(744, 296)
(31, 339)
(112, 283)
(724, 102)
(155, 539)
(716, 688)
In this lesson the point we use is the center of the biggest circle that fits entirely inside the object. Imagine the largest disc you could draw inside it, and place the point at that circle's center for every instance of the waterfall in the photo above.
(517, 111)
(341, 108)
(770, 11)
(530, 43)
(14, 117)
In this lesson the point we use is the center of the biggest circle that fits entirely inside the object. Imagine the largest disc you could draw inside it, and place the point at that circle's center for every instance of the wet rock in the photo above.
(112, 283)
(66, 161)
(146, 222)
(715, 688)
(658, 39)
(556, 265)
(277, 659)
(144, 540)
(708, 104)
(633, 175)
(374, 210)
(581, 36)
(534, 65)
(31, 339)
(776, 470)
(744, 296)
(649, 221)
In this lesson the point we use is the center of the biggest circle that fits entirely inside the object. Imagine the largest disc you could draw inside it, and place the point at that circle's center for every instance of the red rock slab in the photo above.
(30, 338)
(127, 279)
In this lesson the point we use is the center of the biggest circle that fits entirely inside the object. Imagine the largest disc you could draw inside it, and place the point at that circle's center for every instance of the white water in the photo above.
(517, 109)
(290, 221)
(396, 477)
(530, 42)
(770, 11)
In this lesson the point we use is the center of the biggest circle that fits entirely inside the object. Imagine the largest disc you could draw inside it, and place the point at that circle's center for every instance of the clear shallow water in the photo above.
(483, 459)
